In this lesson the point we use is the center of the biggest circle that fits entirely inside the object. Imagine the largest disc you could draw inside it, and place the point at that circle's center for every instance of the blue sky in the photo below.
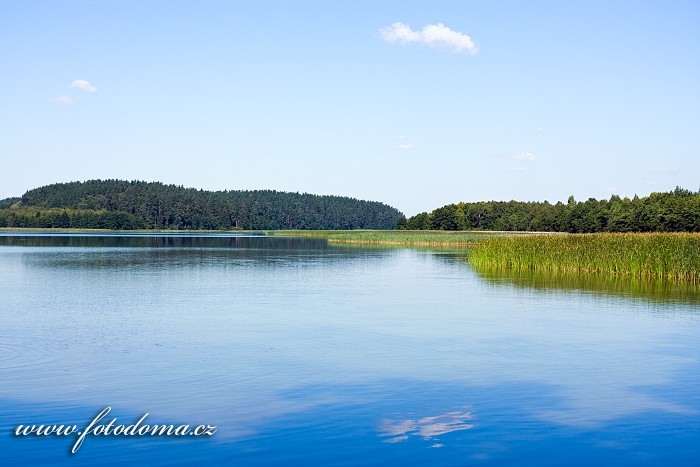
(413, 103)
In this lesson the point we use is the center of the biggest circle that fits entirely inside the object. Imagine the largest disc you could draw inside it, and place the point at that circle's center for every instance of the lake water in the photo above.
(303, 353)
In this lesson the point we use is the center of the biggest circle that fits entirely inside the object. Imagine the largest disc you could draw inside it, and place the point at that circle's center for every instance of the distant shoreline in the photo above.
(673, 256)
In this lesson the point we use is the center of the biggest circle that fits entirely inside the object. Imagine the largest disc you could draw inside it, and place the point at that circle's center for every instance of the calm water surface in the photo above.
(303, 353)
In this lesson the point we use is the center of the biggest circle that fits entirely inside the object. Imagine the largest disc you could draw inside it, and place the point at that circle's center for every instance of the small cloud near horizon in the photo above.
(433, 35)
(523, 156)
(405, 143)
(664, 170)
(84, 85)
(63, 100)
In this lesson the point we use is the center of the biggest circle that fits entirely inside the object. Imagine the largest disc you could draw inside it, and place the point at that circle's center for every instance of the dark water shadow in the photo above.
(162, 240)
(164, 250)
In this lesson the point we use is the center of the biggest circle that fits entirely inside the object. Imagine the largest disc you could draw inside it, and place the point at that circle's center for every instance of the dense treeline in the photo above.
(675, 211)
(117, 204)
(37, 218)
(7, 202)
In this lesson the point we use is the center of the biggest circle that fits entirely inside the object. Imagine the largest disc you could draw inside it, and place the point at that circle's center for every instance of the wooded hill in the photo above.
(675, 211)
(118, 204)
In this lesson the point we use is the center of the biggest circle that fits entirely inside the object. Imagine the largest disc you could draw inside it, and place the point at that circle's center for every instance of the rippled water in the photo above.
(304, 353)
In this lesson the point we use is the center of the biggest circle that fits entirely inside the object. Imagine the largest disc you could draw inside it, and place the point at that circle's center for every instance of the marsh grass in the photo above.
(673, 256)
(397, 237)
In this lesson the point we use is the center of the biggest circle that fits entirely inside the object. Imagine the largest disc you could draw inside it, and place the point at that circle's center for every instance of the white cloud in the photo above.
(523, 156)
(84, 85)
(63, 100)
(399, 32)
(433, 35)
(404, 142)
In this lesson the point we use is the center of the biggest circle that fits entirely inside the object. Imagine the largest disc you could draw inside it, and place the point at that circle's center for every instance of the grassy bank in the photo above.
(366, 237)
(657, 255)
(396, 237)
(428, 238)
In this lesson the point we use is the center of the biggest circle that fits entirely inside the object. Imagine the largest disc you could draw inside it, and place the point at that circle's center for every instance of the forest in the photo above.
(674, 211)
(118, 205)
(129, 205)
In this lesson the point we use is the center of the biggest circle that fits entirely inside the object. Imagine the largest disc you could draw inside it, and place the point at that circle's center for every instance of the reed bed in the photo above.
(674, 256)
(396, 237)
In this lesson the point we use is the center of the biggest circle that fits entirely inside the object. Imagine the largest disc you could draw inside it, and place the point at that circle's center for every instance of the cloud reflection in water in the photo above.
(426, 427)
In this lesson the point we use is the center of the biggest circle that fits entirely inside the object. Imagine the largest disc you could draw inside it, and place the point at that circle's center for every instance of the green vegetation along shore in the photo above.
(433, 238)
(124, 205)
(674, 256)
(675, 211)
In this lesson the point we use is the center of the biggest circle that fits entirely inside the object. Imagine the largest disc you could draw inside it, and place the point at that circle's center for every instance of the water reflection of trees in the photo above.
(164, 240)
(90, 251)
